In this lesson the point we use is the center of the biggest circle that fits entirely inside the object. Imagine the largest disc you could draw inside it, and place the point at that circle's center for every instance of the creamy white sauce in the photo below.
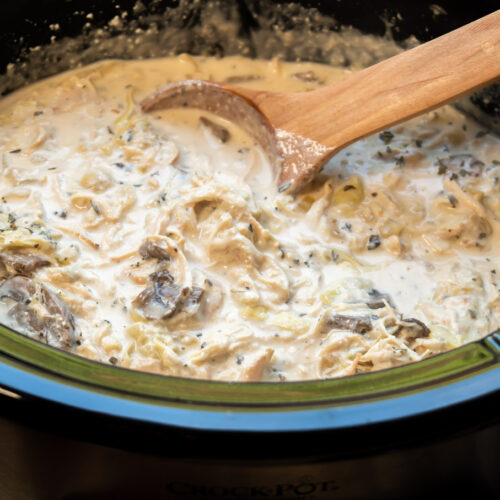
(80, 159)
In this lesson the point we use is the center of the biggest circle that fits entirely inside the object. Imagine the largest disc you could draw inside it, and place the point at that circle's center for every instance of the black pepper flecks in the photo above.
(442, 168)
(386, 136)
(96, 208)
(373, 242)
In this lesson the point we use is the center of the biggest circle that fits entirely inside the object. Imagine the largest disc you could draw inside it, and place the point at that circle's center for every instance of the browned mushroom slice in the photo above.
(164, 298)
(357, 324)
(218, 131)
(38, 312)
(22, 261)
(161, 301)
(151, 250)
(408, 333)
(378, 299)
(242, 78)
(307, 77)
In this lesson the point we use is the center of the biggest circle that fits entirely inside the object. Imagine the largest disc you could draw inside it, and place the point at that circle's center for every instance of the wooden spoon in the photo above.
(301, 131)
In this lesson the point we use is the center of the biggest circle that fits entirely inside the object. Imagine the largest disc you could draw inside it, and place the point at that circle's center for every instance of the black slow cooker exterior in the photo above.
(71, 428)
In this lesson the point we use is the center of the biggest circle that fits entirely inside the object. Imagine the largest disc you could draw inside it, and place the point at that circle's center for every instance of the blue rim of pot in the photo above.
(31, 369)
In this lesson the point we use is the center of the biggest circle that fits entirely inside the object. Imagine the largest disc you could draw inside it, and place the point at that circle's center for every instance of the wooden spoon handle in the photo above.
(392, 91)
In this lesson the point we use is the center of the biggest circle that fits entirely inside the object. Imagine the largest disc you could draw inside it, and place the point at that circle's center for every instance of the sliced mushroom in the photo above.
(151, 250)
(38, 312)
(165, 298)
(357, 324)
(21, 261)
(218, 131)
(378, 299)
(307, 77)
(161, 301)
(242, 78)
(409, 333)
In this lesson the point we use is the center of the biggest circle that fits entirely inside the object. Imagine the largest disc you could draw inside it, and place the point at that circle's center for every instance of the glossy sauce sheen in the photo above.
(390, 256)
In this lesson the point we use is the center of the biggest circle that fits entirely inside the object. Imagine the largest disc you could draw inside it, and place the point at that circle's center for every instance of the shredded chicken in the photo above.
(160, 242)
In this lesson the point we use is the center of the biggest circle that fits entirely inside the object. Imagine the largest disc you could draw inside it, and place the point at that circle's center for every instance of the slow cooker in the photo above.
(71, 428)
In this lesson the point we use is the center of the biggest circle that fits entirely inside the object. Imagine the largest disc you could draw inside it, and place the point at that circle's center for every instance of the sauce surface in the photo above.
(160, 243)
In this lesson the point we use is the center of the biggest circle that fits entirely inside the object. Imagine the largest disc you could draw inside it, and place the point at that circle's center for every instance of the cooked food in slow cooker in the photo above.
(161, 243)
